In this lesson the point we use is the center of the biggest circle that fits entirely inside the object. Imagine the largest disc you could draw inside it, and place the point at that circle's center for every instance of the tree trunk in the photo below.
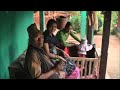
(90, 25)
(118, 25)
(95, 25)
(105, 43)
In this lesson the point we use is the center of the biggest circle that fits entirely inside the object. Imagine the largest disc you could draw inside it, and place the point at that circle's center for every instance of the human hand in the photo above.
(61, 58)
(58, 66)
(65, 54)
(72, 44)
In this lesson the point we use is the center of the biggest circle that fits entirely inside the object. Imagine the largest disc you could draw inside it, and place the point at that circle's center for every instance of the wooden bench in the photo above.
(91, 66)
(16, 69)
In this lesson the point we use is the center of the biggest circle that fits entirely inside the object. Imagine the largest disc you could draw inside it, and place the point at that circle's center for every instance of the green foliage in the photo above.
(75, 20)
(100, 21)
(114, 19)
(113, 31)
(73, 13)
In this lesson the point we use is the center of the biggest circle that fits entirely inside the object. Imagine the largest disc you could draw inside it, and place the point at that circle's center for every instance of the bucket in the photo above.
(61, 22)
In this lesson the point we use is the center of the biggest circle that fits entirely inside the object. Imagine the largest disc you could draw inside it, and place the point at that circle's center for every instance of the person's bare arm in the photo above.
(46, 47)
(47, 50)
(34, 67)
(66, 55)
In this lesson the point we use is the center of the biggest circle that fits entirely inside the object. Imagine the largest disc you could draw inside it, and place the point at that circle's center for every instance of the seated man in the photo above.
(63, 35)
(37, 62)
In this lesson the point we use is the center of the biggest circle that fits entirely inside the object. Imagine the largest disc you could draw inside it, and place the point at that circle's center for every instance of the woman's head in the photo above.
(35, 36)
(68, 27)
(51, 25)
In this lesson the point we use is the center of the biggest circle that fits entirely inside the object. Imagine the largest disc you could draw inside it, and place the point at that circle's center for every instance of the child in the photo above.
(83, 48)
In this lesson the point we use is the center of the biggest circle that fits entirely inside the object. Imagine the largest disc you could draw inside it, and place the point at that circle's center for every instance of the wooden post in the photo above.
(83, 24)
(118, 25)
(89, 30)
(105, 43)
(95, 25)
(42, 21)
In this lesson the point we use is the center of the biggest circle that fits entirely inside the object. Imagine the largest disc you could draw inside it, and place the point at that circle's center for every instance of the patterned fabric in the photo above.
(69, 67)
(75, 74)
(37, 62)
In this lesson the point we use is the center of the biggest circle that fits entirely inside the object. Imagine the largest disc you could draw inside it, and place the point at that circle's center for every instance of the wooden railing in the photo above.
(90, 65)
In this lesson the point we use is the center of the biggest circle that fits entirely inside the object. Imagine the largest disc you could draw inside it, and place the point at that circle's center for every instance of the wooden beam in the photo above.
(118, 25)
(95, 25)
(42, 21)
(83, 24)
(105, 43)
(89, 29)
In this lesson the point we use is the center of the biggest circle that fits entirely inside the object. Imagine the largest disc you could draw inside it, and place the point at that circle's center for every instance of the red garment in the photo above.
(81, 55)
(67, 50)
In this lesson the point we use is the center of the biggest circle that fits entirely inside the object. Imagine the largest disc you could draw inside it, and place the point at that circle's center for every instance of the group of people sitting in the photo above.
(46, 57)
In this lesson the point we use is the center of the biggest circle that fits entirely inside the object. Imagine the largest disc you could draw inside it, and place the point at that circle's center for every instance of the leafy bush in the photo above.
(114, 18)
(100, 24)
(115, 30)
(100, 21)
(75, 20)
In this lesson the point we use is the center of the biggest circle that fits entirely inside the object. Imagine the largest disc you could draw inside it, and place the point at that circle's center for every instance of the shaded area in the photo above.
(13, 37)
(113, 62)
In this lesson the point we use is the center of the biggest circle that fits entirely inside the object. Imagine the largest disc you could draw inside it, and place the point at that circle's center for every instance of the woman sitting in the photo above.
(63, 35)
(51, 45)
(37, 62)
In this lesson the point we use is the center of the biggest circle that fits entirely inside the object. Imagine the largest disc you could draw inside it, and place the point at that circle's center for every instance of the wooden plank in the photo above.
(85, 73)
(42, 21)
(94, 67)
(118, 24)
(82, 65)
(77, 62)
(91, 68)
(90, 25)
(90, 65)
(79, 58)
(105, 43)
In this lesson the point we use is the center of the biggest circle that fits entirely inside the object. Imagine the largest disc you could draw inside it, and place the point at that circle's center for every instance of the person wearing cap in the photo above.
(37, 62)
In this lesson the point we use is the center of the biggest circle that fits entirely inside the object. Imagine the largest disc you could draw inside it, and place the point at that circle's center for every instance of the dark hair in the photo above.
(68, 24)
(50, 22)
